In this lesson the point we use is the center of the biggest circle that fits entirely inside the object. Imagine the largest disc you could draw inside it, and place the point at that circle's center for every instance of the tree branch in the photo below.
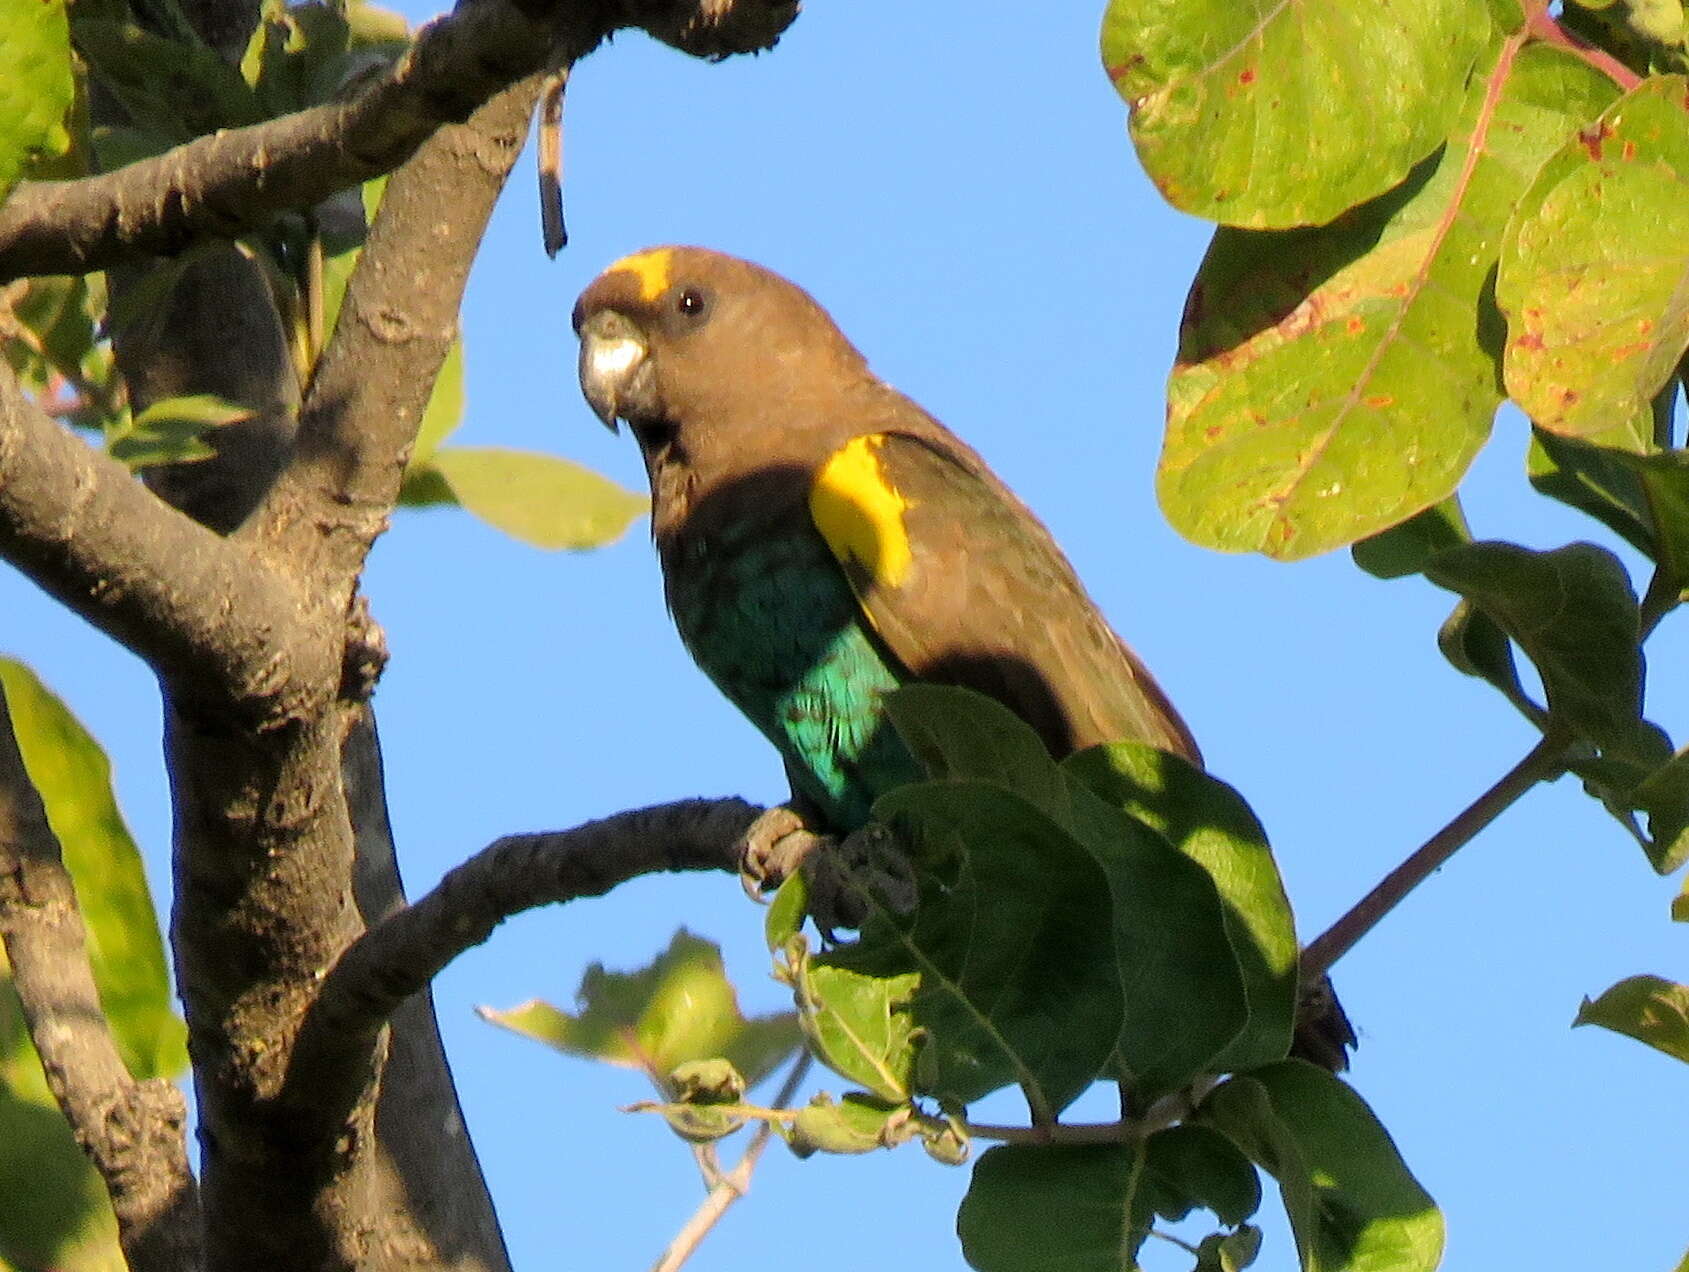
(396, 325)
(197, 608)
(401, 955)
(232, 182)
(132, 1131)
(1545, 762)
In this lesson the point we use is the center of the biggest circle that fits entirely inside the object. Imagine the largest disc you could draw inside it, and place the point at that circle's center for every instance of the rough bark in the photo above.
(264, 649)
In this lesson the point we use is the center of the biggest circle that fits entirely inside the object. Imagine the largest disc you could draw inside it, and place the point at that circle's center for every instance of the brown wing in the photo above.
(967, 587)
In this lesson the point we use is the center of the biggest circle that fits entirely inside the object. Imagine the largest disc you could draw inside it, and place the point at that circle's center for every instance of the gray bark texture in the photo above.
(330, 1132)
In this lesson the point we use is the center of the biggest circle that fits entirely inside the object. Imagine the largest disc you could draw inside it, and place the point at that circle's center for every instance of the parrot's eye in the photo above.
(691, 302)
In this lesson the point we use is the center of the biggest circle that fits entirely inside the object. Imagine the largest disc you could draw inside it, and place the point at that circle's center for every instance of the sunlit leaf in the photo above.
(1650, 1009)
(1333, 382)
(35, 85)
(1595, 268)
(125, 947)
(1208, 822)
(1351, 1201)
(681, 1008)
(1232, 124)
(544, 500)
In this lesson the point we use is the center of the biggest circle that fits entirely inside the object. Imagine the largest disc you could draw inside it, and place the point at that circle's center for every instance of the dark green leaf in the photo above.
(1060, 1208)
(1475, 644)
(1650, 1009)
(177, 89)
(1664, 796)
(539, 499)
(1017, 982)
(1231, 126)
(1332, 382)
(1208, 822)
(1404, 549)
(1229, 1251)
(1573, 612)
(1594, 275)
(1075, 1208)
(682, 1008)
(960, 735)
(1351, 1201)
(1594, 480)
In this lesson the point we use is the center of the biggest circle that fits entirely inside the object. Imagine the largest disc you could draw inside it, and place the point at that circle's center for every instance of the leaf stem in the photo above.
(1545, 29)
(1543, 763)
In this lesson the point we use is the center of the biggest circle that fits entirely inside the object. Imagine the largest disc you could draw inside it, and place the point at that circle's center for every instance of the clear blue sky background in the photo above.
(955, 183)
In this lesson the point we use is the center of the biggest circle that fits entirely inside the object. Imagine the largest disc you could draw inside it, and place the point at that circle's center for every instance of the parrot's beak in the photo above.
(614, 368)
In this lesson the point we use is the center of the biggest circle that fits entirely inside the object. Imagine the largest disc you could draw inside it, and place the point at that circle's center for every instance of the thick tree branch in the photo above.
(396, 325)
(199, 609)
(401, 955)
(235, 181)
(134, 1132)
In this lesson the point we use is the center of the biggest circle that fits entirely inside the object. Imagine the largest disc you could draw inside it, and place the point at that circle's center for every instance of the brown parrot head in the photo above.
(712, 361)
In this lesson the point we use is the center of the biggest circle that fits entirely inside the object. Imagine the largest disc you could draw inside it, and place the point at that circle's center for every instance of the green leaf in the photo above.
(172, 430)
(1228, 1252)
(1017, 982)
(1595, 480)
(1332, 382)
(36, 88)
(1664, 796)
(1650, 1009)
(960, 735)
(1573, 613)
(1351, 1201)
(681, 1008)
(1231, 125)
(1404, 549)
(73, 776)
(858, 1024)
(1680, 905)
(1088, 1208)
(56, 1214)
(1475, 645)
(1594, 273)
(445, 407)
(177, 89)
(1209, 823)
(858, 1123)
(539, 499)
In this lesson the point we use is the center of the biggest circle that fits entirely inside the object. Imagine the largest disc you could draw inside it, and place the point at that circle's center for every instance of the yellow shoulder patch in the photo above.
(652, 269)
(860, 513)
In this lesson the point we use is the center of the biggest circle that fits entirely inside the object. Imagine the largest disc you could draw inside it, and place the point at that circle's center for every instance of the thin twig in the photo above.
(134, 1132)
(733, 1185)
(1545, 762)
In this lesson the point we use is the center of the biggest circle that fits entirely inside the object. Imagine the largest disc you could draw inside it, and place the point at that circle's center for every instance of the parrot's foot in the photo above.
(847, 878)
(775, 846)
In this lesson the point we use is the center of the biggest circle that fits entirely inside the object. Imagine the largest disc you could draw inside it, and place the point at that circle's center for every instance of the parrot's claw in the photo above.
(772, 849)
(847, 878)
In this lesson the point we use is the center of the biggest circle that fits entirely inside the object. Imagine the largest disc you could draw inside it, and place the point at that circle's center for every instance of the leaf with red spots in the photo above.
(1247, 114)
(1595, 267)
(1333, 382)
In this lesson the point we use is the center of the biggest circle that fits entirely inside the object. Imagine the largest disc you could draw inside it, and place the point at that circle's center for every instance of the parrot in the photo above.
(824, 540)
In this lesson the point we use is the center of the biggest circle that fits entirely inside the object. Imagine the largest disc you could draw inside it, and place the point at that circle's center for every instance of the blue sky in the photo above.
(957, 187)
